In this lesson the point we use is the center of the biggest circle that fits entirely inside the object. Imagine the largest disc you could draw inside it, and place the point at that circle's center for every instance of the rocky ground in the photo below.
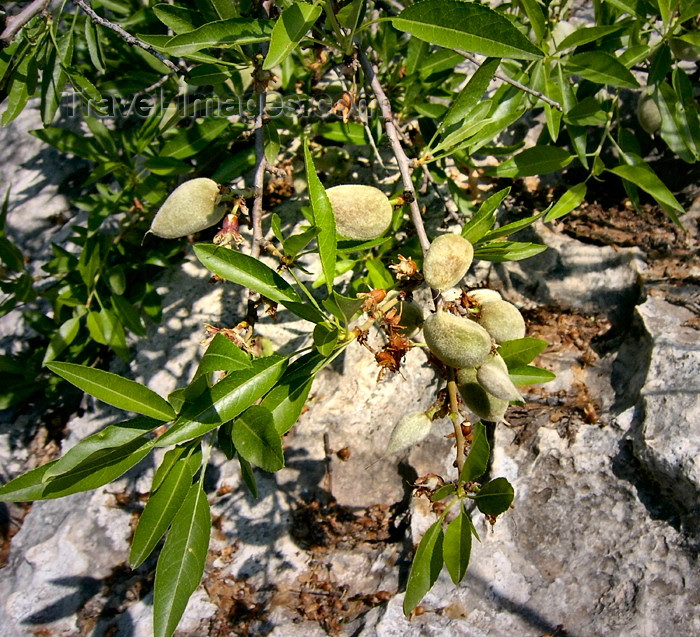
(603, 537)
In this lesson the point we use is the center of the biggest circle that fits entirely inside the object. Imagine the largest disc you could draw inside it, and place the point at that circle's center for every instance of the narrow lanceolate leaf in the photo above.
(256, 439)
(478, 458)
(571, 199)
(222, 33)
(95, 471)
(160, 511)
(222, 355)
(426, 567)
(601, 67)
(538, 160)
(288, 31)
(181, 562)
(62, 338)
(530, 375)
(465, 26)
(225, 400)
(246, 271)
(102, 442)
(323, 219)
(501, 251)
(457, 546)
(495, 497)
(54, 77)
(287, 398)
(472, 92)
(521, 351)
(114, 390)
(645, 178)
(484, 218)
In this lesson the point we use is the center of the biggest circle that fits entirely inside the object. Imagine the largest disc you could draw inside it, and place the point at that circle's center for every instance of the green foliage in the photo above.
(99, 285)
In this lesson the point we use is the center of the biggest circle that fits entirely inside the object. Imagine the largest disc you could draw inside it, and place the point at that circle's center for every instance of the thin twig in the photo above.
(504, 78)
(454, 416)
(16, 22)
(258, 178)
(393, 135)
(130, 39)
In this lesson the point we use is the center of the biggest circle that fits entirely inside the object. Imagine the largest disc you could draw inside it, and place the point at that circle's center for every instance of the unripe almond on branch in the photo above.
(447, 260)
(502, 320)
(648, 114)
(410, 430)
(456, 341)
(493, 376)
(483, 295)
(477, 399)
(191, 207)
(361, 212)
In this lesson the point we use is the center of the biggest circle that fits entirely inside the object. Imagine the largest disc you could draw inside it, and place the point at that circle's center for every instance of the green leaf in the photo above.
(477, 459)
(349, 246)
(465, 26)
(457, 546)
(286, 400)
(160, 511)
(181, 562)
(190, 141)
(94, 47)
(344, 308)
(348, 133)
(472, 92)
(472, 123)
(325, 338)
(511, 228)
(443, 492)
(673, 131)
(484, 218)
(169, 459)
(602, 68)
(21, 86)
(645, 178)
(63, 337)
(256, 439)
(530, 375)
(501, 251)
(114, 390)
(538, 160)
(495, 497)
(128, 315)
(251, 273)
(323, 219)
(521, 351)
(54, 77)
(102, 443)
(584, 35)
(206, 74)
(225, 400)
(289, 29)
(296, 243)
(588, 112)
(90, 474)
(222, 33)
(68, 142)
(176, 18)
(571, 199)
(222, 355)
(426, 567)
(248, 476)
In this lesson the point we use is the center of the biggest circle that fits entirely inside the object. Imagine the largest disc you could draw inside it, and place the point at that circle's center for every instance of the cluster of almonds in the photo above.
(466, 341)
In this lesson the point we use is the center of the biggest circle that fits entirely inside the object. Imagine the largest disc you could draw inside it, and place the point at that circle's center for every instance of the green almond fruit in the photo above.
(483, 295)
(477, 399)
(648, 114)
(456, 341)
(493, 376)
(502, 320)
(410, 430)
(191, 207)
(361, 212)
(411, 317)
(447, 260)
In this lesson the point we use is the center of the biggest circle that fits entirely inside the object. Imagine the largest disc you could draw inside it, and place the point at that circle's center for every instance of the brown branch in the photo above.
(454, 416)
(130, 39)
(14, 24)
(393, 135)
(504, 78)
(258, 178)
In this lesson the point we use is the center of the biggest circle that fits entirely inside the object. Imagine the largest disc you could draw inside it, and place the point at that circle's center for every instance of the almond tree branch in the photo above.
(130, 39)
(16, 22)
(258, 178)
(393, 135)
